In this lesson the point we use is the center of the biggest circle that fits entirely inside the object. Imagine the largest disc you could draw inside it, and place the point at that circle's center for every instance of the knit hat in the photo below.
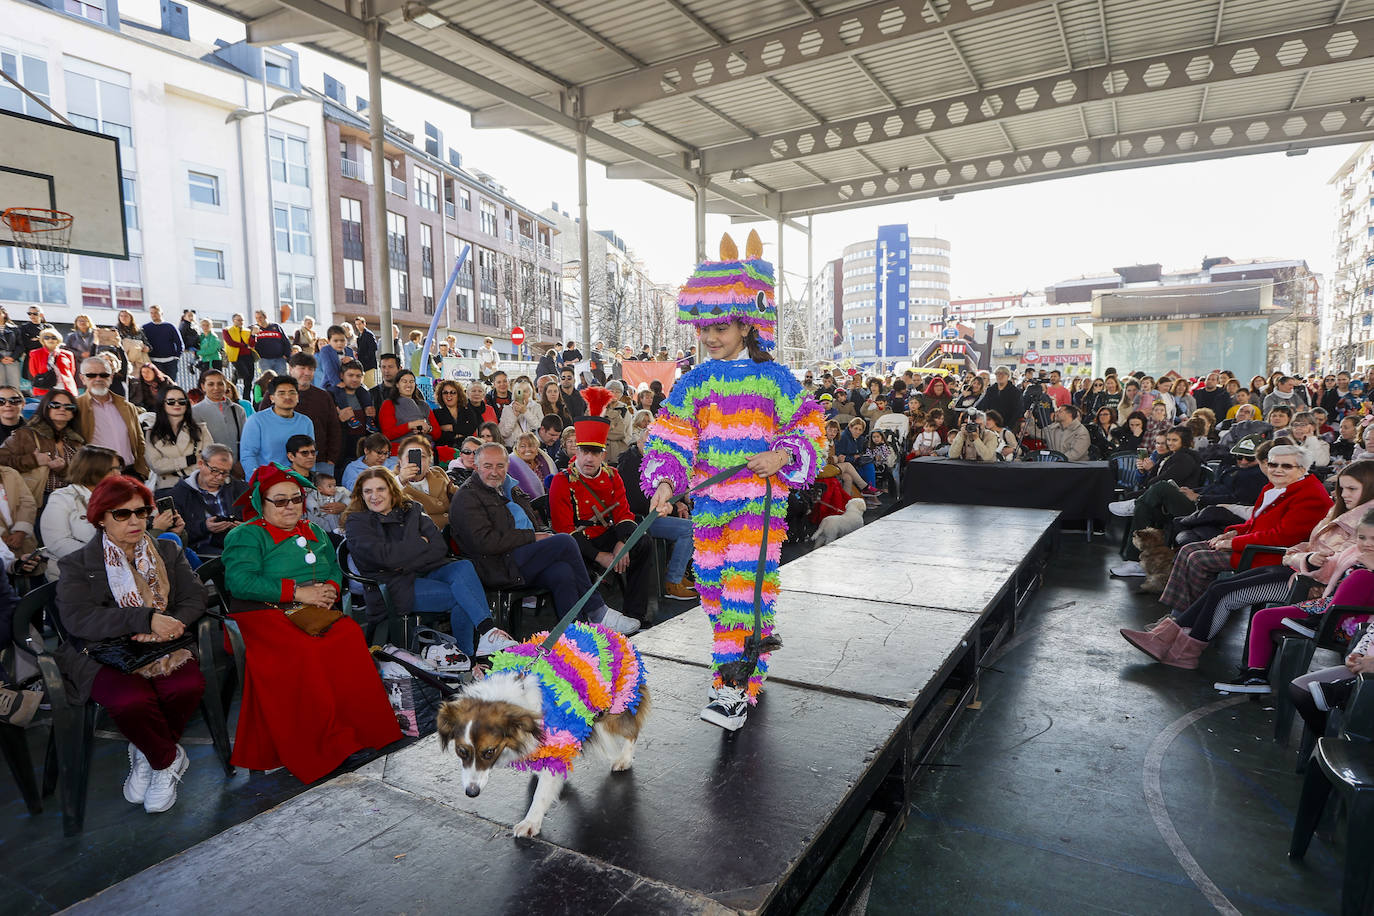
(593, 429)
(265, 478)
(732, 289)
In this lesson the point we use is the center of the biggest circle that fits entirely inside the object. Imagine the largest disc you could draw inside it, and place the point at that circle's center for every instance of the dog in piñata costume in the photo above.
(719, 415)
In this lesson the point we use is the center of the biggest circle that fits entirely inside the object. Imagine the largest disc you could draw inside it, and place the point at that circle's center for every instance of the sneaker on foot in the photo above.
(1128, 570)
(162, 790)
(1122, 508)
(1323, 695)
(1252, 680)
(681, 591)
(446, 659)
(728, 708)
(614, 620)
(140, 775)
(495, 640)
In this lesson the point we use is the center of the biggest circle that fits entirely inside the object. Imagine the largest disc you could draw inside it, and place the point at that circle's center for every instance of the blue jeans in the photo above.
(277, 365)
(454, 589)
(679, 531)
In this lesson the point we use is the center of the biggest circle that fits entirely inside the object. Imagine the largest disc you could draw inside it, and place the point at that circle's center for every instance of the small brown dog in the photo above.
(1156, 556)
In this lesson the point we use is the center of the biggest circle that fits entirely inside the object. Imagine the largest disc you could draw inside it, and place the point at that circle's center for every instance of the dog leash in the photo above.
(755, 643)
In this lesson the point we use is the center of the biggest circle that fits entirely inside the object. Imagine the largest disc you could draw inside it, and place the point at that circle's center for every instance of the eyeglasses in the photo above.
(123, 515)
(95, 375)
(12, 402)
(284, 501)
(71, 408)
(212, 471)
(468, 451)
(176, 402)
(1276, 466)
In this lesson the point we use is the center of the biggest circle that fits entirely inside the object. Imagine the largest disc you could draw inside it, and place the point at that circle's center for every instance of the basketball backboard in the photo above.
(56, 167)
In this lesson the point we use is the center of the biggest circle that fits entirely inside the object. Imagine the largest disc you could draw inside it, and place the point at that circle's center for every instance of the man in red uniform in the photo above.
(588, 501)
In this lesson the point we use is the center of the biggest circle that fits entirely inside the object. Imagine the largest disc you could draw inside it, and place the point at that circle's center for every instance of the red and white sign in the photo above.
(517, 335)
(1031, 357)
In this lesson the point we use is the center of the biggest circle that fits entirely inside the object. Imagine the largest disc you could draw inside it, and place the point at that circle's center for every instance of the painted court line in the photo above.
(1154, 800)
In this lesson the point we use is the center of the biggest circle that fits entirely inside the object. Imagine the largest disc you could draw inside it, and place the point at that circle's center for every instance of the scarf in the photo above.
(140, 585)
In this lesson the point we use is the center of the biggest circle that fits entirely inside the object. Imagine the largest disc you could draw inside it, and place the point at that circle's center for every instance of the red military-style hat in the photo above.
(593, 428)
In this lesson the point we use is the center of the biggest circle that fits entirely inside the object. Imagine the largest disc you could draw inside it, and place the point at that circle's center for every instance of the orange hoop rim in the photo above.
(36, 220)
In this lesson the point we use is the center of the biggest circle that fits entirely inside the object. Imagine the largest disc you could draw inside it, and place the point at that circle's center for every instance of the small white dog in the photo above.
(834, 527)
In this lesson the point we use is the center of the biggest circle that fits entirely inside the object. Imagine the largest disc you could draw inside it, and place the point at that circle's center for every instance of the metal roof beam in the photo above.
(281, 26)
(1308, 127)
(668, 168)
(1106, 81)
(577, 25)
(860, 28)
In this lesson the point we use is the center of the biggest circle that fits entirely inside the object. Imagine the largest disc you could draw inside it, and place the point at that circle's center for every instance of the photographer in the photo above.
(974, 441)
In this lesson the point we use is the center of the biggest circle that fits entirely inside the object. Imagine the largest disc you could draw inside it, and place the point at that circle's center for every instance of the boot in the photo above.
(1156, 641)
(1185, 652)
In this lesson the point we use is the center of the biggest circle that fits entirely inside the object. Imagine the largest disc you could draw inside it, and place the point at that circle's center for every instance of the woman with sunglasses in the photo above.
(461, 467)
(308, 701)
(126, 583)
(174, 440)
(51, 365)
(1289, 507)
(42, 448)
(457, 418)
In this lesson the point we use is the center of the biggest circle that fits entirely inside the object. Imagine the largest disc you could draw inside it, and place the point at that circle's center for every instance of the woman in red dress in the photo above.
(308, 701)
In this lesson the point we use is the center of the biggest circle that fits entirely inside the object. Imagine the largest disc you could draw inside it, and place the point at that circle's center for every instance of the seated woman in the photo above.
(423, 483)
(390, 538)
(1288, 508)
(18, 513)
(308, 701)
(404, 412)
(41, 449)
(1178, 467)
(461, 467)
(528, 453)
(1102, 434)
(374, 451)
(457, 419)
(51, 365)
(126, 583)
(1009, 447)
(1130, 435)
(1316, 693)
(173, 440)
(852, 448)
(1303, 429)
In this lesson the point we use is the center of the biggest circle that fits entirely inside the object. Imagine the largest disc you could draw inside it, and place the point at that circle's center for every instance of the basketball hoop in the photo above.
(44, 237)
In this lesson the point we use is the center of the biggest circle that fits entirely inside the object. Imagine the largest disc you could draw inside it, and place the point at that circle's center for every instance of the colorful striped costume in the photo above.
(591, 672)
(719, 415)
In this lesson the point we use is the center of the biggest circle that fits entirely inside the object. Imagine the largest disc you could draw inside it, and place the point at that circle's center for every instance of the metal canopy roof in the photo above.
(788, 107)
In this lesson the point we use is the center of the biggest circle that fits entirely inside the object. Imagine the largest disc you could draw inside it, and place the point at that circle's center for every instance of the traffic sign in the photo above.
(517, 335)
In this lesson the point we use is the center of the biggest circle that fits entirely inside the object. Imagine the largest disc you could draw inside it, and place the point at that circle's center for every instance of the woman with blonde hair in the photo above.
(81, 338)
(423, 482)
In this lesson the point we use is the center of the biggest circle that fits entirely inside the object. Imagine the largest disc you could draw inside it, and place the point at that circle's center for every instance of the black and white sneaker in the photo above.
(1251, 681)
(728, 708)
(1325, 695)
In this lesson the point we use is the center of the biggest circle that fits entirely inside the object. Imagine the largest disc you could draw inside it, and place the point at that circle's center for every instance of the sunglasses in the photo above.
(95, 375)
(12, 402)
(67, 407)
(1287, 467)
(123, 515)
(283, 501)
(176, 402)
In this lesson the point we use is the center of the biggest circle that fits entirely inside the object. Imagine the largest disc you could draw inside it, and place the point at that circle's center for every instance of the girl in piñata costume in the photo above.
(736, 407)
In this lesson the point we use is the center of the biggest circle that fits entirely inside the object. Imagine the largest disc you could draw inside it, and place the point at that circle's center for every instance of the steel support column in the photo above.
(699, 221)
(583, 246)
(810, 285)
(781, 296)
(381, 255)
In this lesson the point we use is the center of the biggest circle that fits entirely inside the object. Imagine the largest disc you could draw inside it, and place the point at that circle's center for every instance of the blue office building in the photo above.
(895, 294)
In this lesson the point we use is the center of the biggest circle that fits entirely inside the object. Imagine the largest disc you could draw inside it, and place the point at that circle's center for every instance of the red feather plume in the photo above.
(598, 399)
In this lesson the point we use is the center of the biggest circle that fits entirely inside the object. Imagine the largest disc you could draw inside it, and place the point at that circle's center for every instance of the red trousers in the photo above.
(151, 712)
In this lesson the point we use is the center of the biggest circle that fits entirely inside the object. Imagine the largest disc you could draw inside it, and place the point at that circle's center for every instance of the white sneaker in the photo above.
(140, 774)
(614, 620)
(1128, 570)
(162, 791)
(495, 640)
(1122, 508)
(728, 708)
(446, 659)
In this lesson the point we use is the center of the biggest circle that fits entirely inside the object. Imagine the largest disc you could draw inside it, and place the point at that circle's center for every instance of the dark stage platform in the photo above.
(883, 630)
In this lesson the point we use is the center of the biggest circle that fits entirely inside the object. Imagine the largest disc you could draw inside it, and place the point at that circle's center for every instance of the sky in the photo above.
(1003, 240)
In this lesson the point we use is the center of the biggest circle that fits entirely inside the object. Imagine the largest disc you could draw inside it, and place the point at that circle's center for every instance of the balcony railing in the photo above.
(396, 185)
(351, 168)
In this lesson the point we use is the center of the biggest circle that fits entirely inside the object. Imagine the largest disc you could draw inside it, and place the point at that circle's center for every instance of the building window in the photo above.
(355, 287)
(488, 309)
(290, 162)
(351, 228)
(427, 294)
(297, 293)
(465, 199)
(1044, 323)
(101, 105)
(130, 203)
(204, 188)
(28, 285)
(276, 69)
(32, 74)
(1059, 344)
(1044, 344)
(1073, 343)
(1059, 322)
(396, 239)
(93, 10)
(400, 289)
(209, 265)
(427, 190)
(510, 226)
(292, 227)
(488, 217)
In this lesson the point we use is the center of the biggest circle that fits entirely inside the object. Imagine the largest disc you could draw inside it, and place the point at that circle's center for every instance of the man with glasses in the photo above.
(570, 403)
(107, 420)
(266, 432)
(11, 411)
(205, 500)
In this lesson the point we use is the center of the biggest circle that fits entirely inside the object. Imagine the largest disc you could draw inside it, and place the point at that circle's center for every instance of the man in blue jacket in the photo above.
(164, 343)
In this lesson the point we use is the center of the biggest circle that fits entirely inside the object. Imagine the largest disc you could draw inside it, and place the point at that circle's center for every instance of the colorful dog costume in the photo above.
(717, 416)
(591, 671)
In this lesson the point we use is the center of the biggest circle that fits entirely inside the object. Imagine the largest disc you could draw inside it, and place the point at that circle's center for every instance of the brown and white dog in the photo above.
(1156, 557)
(500, 720)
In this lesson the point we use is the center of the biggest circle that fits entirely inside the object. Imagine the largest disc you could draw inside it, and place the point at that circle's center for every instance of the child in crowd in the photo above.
(884, 455)
(938, 415)
(928, 440)
(324, 505)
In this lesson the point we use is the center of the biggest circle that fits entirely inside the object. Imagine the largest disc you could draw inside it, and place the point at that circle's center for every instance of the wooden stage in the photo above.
(883, 630)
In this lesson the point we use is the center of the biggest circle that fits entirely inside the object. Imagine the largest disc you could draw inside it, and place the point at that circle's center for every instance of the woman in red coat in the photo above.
(52, 355)
(1288, 508)
(404, 412)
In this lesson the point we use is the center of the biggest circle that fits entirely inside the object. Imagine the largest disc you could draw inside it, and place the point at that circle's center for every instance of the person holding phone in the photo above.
(522, 415)
(205, 500)
(422, 482)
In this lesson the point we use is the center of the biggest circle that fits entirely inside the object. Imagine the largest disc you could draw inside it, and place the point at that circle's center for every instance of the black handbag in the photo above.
(45, 379)
(125, 654)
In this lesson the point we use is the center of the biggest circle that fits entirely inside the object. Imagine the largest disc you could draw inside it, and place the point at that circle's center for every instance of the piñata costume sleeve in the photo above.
(720, 415)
